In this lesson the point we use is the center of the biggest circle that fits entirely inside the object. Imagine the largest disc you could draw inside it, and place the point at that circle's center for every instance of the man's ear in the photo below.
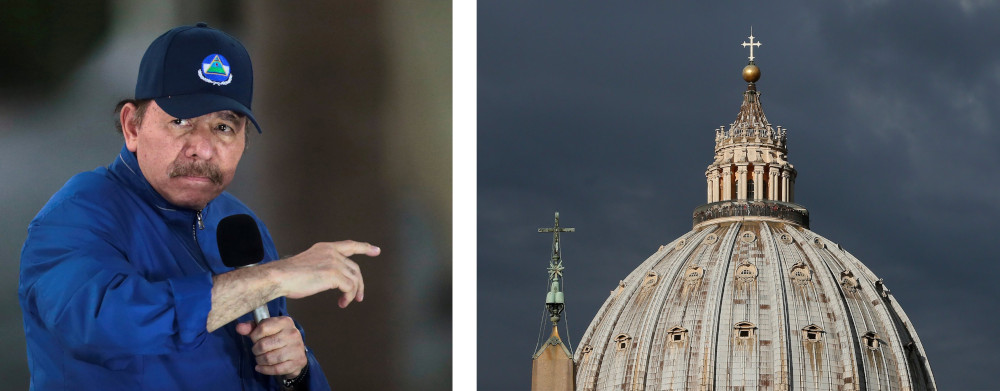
(130, 127)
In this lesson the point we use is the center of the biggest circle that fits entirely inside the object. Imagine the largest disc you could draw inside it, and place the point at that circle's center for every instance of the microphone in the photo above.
(240, 246)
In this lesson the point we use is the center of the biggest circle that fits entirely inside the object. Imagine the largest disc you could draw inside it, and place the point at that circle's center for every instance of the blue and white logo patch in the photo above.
(215, 70)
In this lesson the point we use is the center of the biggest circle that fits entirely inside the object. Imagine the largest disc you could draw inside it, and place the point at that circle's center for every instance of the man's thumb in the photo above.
(244, 328)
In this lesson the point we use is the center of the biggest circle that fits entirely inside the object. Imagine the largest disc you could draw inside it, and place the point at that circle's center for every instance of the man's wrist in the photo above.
(292, 383)
(274, 278)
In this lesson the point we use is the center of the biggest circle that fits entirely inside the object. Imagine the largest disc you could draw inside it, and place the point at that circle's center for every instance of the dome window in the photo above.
(694, 273)
(677, 334)
(587, 349)
(871, 340)
(801, 273)
(812, 333)
(711, 239)
(651, 279)
(786, 238)
(745, 330)
(622, 341)
(746, 272)
(881, 288)
(848, 281)
(680, 244)
(818, 243)
(748, 237)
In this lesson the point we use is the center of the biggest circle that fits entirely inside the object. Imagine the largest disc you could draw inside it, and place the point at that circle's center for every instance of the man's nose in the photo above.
(199, 143)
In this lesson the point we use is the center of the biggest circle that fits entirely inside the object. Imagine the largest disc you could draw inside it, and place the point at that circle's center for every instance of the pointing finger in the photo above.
(350, 247)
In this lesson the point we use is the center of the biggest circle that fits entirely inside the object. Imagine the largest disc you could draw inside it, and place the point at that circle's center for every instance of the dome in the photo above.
(750, 298)
(753, 303)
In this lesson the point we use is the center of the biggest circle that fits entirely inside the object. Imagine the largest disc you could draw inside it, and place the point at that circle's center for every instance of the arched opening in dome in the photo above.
(651, 279)
(848, 281)
(818, 243)
(622, 341)
(812, 333)
(746, 272)
(801, 273)
(745, 330)
(677, 334)
(871, 340)
(694, 273)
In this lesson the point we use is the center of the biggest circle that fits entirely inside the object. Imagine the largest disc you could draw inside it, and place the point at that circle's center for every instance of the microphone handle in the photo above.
(261, 313)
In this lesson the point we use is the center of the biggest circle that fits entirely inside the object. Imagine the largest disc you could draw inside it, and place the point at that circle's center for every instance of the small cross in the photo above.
(556, 305)
(751, 44)
(555, 238)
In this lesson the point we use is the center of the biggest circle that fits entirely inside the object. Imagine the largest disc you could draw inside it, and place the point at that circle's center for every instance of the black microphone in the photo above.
(240, 246)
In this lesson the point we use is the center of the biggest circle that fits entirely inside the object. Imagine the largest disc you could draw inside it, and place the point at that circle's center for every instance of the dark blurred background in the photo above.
(355, 100)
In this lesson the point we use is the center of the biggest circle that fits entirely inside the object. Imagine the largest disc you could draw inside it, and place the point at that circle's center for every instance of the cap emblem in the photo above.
(215, 70)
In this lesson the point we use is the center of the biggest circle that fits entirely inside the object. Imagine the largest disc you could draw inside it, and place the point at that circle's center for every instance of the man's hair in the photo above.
(140, 111)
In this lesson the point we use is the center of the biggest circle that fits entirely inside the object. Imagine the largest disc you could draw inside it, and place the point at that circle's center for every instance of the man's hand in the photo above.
(278, 346)
(325, 266)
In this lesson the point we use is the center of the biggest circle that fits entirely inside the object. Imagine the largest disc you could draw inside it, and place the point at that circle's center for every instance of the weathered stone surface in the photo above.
(800, 322)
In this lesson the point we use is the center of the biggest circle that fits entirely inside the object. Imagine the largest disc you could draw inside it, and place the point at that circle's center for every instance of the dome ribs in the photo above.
(696, 320)
(783, 355)
(816, 362)
(625, 307)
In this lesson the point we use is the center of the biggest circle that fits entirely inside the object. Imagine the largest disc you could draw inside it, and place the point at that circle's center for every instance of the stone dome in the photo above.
(751, 304)
(750, 298)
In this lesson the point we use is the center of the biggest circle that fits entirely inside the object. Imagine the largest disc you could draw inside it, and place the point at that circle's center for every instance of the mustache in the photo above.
(197, 169)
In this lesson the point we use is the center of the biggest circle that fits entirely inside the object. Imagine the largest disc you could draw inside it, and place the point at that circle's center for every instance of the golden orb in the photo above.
(751, 73)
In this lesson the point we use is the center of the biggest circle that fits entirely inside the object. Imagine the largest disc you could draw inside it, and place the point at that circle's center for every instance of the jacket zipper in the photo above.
(198, 224)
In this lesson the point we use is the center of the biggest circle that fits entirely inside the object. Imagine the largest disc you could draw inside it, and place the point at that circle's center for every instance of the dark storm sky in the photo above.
(605, 111)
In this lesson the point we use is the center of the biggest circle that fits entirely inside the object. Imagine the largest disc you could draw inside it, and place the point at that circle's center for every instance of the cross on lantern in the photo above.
(751, 44)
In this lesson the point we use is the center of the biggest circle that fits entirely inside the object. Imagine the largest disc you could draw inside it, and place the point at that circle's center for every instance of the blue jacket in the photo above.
(115, 288)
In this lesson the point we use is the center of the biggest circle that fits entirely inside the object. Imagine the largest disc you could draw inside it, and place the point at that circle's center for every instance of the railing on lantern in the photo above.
(793, 213)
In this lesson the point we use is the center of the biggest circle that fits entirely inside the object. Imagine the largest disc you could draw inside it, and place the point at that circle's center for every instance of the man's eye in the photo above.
(225, 128)
(179, 121)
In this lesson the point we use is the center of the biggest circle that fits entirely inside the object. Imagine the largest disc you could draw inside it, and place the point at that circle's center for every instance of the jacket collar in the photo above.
(126, 169)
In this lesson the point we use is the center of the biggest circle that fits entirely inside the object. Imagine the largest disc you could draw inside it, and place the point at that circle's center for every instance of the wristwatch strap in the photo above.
(291, 383)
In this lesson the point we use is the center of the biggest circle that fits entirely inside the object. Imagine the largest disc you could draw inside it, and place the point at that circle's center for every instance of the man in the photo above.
(122, 285)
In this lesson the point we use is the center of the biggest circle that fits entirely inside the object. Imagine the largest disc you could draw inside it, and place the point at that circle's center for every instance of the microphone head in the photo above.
(239, 241)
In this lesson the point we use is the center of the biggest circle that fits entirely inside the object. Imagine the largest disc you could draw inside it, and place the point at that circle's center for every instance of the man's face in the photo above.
(188, 161)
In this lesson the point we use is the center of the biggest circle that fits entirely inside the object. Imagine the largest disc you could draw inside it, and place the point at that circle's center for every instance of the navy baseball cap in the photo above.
(191, 71)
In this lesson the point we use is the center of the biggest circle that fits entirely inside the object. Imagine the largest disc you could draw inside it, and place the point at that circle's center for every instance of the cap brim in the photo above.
(196, 105)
